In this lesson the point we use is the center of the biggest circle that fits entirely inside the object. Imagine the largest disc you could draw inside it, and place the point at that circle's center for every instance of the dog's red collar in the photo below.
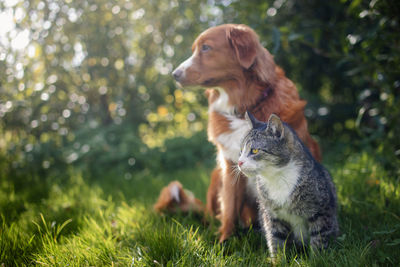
(264, 95)
(254, 108)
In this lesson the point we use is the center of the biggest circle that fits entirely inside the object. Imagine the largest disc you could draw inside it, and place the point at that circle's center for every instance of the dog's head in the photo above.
(224, 53)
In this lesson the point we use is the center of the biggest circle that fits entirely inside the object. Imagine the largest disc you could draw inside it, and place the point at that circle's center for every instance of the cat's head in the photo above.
(266, 145)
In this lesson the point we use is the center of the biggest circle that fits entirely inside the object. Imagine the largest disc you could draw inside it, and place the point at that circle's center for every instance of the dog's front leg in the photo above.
(232, 197)
(213, 193)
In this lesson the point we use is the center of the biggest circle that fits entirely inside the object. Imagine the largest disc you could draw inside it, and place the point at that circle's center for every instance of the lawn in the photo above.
(77, 220)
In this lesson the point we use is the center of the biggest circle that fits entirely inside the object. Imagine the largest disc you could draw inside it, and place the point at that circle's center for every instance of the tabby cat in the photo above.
(296, 195)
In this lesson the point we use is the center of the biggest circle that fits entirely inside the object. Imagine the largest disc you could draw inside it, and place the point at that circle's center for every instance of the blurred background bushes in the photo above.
(87, 83)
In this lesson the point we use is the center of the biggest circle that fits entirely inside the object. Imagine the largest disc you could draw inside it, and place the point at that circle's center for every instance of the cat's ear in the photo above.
(275, 126)
(250, 119)
(256, 124)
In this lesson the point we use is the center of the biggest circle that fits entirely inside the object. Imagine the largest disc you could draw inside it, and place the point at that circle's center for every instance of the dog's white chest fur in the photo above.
(230, 141)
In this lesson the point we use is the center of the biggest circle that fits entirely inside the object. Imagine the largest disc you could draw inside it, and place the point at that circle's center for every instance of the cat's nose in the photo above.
(240, 163)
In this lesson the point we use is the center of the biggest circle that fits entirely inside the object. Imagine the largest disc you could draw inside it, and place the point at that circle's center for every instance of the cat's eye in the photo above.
(254, 151)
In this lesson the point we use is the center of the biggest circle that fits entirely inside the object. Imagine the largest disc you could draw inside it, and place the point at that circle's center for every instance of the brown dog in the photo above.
(231, 58)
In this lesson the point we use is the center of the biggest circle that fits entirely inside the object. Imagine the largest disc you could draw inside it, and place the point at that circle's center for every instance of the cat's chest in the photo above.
(276, 184)
(226, 129)
(298, 223)
(275, 188)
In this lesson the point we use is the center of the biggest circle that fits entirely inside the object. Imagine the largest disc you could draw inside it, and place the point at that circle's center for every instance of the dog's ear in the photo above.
(244, 42)
(250, 52)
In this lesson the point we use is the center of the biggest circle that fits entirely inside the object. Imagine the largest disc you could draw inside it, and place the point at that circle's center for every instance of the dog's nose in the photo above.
(177, 74)
(240, 163)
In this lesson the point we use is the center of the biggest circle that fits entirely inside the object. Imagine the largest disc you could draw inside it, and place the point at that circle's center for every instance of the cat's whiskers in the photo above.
(236, 173)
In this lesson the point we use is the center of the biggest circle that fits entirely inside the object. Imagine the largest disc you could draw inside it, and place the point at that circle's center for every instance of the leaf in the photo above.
(342, 237)
(394, 242)
(354, 4)
(384, 232)
(295, 36)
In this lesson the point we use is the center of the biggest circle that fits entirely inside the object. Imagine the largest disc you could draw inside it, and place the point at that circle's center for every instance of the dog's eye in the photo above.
(205, 48)
(254, 151)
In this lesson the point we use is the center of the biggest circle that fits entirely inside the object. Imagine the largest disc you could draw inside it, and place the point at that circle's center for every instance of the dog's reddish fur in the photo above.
(245, 70)
(183, 201)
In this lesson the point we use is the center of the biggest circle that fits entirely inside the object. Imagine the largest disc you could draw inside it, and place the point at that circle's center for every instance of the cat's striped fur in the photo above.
(296, 195)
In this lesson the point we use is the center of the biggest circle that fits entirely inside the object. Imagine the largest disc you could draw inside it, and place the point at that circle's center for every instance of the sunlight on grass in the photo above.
(110, 222)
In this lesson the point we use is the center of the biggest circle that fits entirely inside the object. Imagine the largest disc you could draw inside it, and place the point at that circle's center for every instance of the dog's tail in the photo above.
(174, 197)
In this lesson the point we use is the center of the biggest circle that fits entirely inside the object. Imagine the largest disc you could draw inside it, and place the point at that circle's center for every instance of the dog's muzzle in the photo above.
(177, 73)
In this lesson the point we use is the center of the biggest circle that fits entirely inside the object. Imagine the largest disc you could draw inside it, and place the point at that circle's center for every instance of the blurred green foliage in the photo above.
(88, 82)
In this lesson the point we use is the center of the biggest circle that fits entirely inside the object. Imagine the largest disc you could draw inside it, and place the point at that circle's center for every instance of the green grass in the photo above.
(109, 221)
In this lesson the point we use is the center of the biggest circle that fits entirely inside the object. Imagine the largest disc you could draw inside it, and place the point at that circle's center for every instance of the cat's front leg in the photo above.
(277, 232)
(322, 228)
